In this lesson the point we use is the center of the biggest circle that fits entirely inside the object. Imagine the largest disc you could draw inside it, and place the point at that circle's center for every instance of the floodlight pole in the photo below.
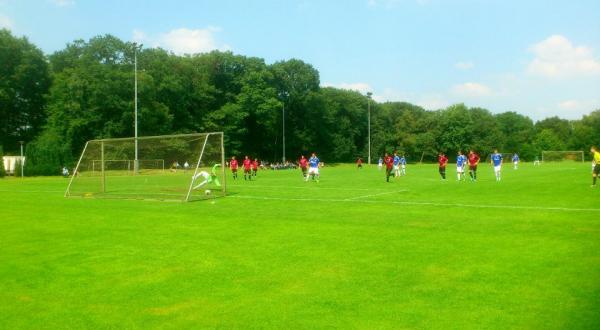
(22, 159)
(283, 129)
(135, 102)
(283, 96)
(369, 122)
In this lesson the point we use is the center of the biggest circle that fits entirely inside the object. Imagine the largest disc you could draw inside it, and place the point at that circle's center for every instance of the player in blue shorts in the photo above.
(515, 160)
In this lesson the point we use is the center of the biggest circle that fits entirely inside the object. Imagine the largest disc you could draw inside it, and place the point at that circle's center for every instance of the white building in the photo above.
(10, 162)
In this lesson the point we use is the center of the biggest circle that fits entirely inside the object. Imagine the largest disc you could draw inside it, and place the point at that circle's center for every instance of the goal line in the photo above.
(483, 206)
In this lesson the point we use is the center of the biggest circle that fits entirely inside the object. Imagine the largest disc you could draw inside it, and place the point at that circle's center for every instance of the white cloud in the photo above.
(471, 89)
(464, 65)
(6, 22)
(184, 40)
(557, 57)
(63, 3)
(583, 106)
(569, 104)
(139, 36)
(433, 103)
(360, 87)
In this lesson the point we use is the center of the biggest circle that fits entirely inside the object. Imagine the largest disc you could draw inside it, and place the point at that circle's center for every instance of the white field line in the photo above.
(33, 191)
(512, 207)
(308, 186)
(373, 195)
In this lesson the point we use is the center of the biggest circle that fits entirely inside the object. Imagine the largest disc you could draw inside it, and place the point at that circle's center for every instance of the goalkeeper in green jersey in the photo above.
(208, 177)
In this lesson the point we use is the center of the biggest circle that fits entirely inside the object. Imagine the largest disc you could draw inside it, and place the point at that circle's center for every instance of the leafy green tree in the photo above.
(547, 139)
(560, 127)
(517, 130)
(455, 130)
(24, 82)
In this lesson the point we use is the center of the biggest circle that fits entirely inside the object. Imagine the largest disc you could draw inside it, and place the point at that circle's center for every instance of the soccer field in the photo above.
(351, 251)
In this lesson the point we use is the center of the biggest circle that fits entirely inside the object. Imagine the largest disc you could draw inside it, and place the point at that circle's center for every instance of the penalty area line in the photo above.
(373, 195)
(459, 205)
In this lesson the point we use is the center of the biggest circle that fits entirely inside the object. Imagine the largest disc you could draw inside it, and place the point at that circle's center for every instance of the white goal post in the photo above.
(182, 167)
(559, 156)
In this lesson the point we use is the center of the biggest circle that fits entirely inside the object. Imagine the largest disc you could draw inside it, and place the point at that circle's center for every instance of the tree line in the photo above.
(57, 102)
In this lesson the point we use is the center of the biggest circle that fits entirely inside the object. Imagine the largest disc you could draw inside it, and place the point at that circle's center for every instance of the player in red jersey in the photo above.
(443, 161)
(303, 163)
(473, 161)
(233, 165)
(359, 163)
(389, 165)
(247, 166)
(254, 166)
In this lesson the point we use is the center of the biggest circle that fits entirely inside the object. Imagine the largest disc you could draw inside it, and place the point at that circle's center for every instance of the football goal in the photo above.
(181, 167)
(559, 156)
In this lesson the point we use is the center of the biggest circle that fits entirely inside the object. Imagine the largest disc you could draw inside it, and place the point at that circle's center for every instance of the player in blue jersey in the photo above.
(396, 164)
(402, 165)
(461, 162)
(515, 160)
(496, 161)
(380, 164)
(313, 167)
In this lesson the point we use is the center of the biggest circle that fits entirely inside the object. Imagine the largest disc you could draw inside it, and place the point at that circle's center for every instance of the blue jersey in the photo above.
(396, 160)
(380, 161)
(403, 161)
(313, 162)
(515, 158)
(461, 160)
(497, 159)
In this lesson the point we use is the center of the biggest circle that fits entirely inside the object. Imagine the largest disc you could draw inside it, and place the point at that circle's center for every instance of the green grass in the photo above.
(349, 252)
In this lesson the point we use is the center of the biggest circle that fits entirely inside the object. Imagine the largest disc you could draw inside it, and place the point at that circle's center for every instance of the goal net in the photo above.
(182, 167)
(559, 156)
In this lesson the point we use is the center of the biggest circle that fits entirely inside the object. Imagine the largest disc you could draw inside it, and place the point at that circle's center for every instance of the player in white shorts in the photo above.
(461, 161)
(208, 177)
(313, 168)
(496, 160)
(396, 164)
(403, 165)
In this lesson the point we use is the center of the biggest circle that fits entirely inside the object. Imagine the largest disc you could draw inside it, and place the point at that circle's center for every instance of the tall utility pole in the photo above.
(22, 159)
(369, 122)
(283, 129)
(135, 102)
(283, 96)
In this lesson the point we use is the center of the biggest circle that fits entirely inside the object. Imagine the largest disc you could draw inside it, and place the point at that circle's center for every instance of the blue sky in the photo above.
(539, 58)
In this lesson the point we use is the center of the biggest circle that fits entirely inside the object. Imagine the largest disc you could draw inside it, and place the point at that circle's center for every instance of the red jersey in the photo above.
(443, 160)
(255, 165)
(389, 162)
(303, 162)
(359, 162)
(473, 159)
(247, 164)
(233, 164)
